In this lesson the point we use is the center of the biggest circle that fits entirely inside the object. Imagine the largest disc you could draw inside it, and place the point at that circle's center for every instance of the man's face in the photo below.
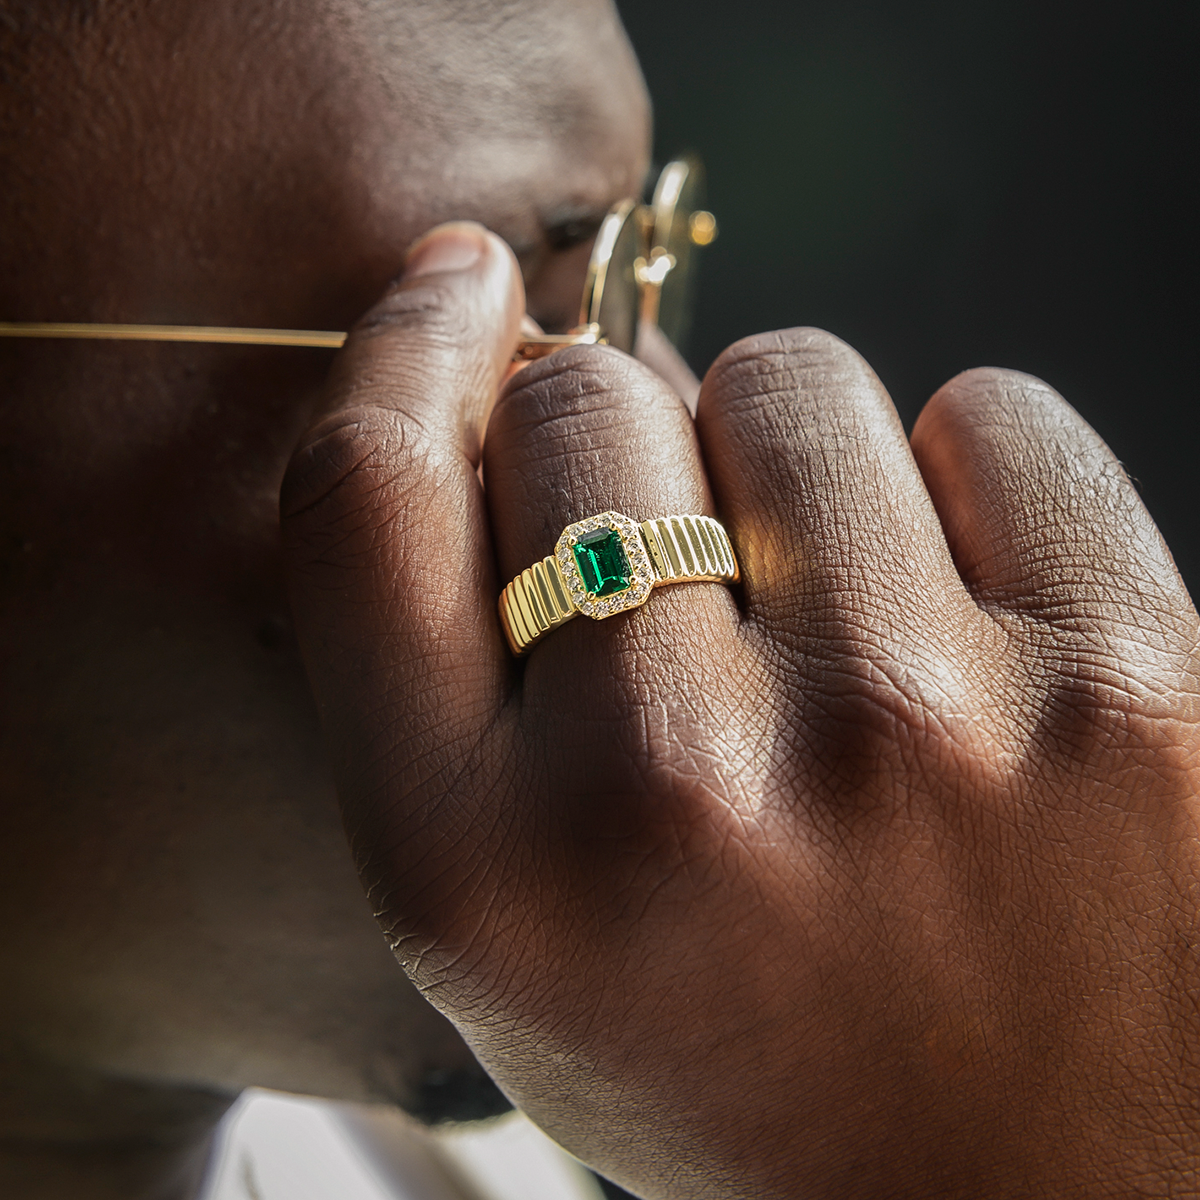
(177, 899)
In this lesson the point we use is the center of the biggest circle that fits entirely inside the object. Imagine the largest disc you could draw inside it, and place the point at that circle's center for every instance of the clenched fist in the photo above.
(876, 875)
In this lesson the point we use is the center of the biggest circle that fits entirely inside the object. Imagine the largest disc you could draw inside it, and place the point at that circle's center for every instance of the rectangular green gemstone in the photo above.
(602, 562)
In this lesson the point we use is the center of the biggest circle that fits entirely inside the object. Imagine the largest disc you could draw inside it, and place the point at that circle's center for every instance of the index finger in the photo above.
(385, 537)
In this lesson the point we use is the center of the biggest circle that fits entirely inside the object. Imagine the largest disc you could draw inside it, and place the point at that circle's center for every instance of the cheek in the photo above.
(554, 290)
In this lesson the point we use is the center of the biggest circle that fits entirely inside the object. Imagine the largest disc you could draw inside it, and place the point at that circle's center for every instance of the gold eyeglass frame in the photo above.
(654, 225)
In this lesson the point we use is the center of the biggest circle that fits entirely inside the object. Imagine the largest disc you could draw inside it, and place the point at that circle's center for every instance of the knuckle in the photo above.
(575, 379)
(882, 703)
(987, 381)
(786, 359)
(334, 457)
(998, 397)
(1133, 729)
(796, 371)
(348, 482)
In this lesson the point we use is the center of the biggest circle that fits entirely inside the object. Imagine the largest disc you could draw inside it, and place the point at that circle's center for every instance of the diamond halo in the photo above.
(640, 584)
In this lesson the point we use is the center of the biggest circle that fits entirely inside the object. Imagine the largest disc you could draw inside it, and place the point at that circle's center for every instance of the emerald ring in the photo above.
(608, 564)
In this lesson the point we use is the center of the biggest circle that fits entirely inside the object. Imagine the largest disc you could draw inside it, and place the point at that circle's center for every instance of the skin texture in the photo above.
(875, 876)
(179, 917)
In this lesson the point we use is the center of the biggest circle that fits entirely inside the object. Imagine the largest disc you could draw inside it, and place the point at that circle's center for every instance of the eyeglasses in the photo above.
(642, 268)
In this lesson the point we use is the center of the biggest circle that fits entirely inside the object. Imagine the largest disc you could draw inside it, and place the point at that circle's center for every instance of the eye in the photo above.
(567, 234)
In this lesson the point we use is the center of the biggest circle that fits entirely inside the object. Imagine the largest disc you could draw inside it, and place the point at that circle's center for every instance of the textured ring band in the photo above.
(609, 564)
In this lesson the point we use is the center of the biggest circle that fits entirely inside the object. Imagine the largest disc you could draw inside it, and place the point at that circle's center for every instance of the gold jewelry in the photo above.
(221, 335)
(608, 564)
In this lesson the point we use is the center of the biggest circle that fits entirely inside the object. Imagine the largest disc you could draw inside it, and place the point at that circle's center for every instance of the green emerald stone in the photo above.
(602, 563)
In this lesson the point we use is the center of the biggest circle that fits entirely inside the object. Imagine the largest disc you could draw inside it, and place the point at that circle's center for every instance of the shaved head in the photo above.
(272, 160)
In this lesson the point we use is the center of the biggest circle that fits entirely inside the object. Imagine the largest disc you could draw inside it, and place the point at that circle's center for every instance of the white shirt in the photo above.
(273, 1146)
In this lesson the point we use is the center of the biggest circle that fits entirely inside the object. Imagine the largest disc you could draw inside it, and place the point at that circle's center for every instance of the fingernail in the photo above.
(456, 246)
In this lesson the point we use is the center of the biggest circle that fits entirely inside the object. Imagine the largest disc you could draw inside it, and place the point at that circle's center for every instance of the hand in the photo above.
(876, 876)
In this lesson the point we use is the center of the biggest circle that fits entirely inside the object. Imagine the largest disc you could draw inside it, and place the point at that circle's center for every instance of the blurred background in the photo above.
(948, 185)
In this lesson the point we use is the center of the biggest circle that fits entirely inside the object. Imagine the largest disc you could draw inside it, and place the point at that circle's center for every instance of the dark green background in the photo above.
(952, 185)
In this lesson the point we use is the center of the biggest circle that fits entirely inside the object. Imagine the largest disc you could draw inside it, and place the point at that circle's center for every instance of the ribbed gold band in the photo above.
(608, 564)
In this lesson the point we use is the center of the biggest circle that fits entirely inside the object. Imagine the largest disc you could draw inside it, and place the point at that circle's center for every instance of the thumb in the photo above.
(384, 527)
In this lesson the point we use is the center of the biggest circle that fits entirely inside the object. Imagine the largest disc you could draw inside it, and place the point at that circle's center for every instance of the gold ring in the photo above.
(608, 564)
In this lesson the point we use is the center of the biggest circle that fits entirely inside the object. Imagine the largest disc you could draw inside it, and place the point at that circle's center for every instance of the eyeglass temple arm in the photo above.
(527, 349)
